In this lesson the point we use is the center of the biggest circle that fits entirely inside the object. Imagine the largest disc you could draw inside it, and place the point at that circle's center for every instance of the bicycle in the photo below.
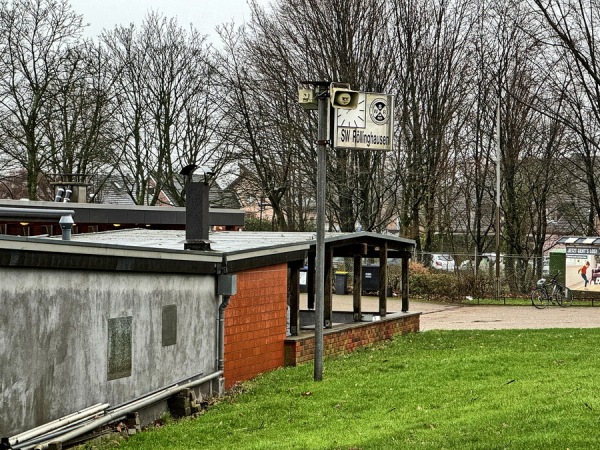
(540, 297)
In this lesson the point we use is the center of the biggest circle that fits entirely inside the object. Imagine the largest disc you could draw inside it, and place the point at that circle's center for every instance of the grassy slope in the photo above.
(513, 389)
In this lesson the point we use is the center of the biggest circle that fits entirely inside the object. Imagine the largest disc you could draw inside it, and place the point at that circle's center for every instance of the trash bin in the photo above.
(370, 278)
(341, 283)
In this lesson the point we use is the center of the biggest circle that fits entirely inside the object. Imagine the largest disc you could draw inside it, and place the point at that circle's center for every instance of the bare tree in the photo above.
(78, 122)
(347, 41)
(260, 123)
(531, 141)
(432, 75)
(308, 40)
(164, 109)
(571, 34)
(128, 60)
(36, 36)
(476, 168)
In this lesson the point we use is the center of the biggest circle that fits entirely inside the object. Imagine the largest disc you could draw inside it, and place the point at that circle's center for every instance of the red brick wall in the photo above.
(344, 339)
(255, 324)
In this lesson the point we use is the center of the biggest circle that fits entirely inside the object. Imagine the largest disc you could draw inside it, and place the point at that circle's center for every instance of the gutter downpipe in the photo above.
(221, 337)
(132, 407)
(226, 287)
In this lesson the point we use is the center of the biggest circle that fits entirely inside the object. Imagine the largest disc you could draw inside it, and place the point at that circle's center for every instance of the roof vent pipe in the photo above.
(59, 195)
(66, 224)
(68, 193)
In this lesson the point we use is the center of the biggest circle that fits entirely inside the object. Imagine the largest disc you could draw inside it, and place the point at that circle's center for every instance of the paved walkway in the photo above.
(471, 317)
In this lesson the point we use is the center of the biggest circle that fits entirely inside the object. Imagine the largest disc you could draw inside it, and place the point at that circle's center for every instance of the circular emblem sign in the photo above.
(379, 111)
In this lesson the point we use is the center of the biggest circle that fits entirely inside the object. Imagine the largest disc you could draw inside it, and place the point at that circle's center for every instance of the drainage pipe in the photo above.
(33, 213)
(129, 408)
(65, 215)
(58, 423)
(221, 337)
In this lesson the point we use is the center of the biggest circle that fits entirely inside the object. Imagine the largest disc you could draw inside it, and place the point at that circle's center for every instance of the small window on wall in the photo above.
(169, 325)
(119, 347)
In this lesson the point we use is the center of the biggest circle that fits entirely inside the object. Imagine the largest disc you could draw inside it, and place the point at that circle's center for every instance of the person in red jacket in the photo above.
(582, 271)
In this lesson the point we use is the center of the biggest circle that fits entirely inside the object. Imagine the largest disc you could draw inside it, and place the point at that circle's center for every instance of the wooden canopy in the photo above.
(356, 246)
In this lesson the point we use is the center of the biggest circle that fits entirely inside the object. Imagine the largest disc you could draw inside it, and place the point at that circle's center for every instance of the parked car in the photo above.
(442, 261)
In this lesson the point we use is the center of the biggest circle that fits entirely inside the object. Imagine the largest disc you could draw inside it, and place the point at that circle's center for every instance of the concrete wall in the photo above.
(255, 324)
(65, 334)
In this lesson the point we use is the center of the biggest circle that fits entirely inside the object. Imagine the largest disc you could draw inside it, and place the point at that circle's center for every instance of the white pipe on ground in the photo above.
(55, 424)
(126, 409)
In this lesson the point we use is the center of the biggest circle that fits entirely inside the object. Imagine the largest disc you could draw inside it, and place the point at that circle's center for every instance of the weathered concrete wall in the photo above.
(64, 335)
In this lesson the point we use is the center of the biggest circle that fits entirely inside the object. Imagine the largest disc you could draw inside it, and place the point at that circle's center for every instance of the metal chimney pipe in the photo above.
(66, 224)
(196, 216)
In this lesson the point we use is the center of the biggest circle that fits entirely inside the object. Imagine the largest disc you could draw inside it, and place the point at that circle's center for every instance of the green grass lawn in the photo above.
(513, 389)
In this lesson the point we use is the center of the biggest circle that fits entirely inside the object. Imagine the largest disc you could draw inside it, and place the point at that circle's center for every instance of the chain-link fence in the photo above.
(479, 276)
(461, 277)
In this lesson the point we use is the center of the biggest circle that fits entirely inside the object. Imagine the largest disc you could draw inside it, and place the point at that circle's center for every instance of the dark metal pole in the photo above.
(497, 202)
(322, 133)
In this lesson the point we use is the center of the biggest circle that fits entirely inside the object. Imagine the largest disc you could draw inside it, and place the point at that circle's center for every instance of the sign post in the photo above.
(363, 120)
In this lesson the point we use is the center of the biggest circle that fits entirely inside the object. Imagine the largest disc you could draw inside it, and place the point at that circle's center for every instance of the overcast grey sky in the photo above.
(204, 14)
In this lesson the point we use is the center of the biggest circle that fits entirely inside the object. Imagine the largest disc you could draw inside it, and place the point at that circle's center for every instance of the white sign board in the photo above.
(368, 127)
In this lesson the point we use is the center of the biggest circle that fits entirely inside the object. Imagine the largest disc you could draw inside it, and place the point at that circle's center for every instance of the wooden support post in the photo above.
(383, 279)
(294, 297)
(405, 260)
(310, 281)
(357, 288)
(328, 305)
